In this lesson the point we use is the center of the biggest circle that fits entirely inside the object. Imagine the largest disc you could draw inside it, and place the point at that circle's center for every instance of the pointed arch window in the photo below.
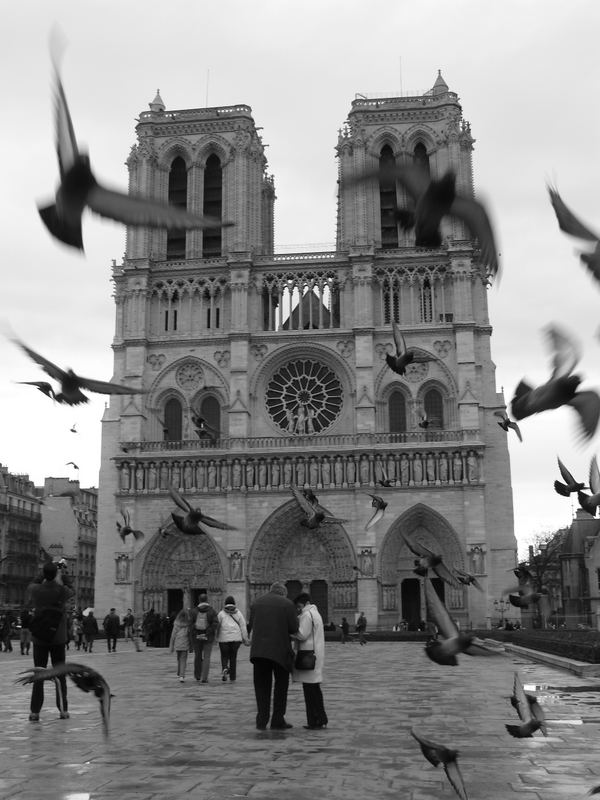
(397, 412)
(426, 305)
(213, 205)
(173, 420)
(433, 405)
(420, 157)
(387, 198)
(210, 411)
(177, 197)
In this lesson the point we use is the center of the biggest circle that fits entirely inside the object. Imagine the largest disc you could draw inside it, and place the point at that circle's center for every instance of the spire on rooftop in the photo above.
(157, 104)
(440, 86)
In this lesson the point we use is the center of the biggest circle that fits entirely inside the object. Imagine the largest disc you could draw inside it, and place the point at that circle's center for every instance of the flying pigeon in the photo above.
(72, 463)
(71, 383)
(591, 502)
(385, 480)
(438, 754)
(569, 223)
(404, 356)
(467, 579)
(190, 523)
(435, 199)
(427, 559)
(529, 711)
(315, 514)
(506, 423)
(561, 388)
(78, 189)
(424, 422)
(74, 428)
(126, 529)
(569, 485)
(83, 676)
(43, 386)
(380, 505)
(202, 427)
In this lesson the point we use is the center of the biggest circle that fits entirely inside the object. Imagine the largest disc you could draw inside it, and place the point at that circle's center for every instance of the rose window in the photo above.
(304, 397)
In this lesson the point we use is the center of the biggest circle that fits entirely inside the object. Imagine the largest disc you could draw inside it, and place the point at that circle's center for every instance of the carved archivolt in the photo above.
(174, 561)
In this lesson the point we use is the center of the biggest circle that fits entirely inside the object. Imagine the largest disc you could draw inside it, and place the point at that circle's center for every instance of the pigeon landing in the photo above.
(404, 356)
(569, 485)
(126, 529)
(438, 754)
(84, 677)
(570, 224)
(560, 389)
(380, 505)
(315, 515)
(507, 423)
(79, 189)
(71, 384)
(190, 524)
(591, 502)
(529, 710)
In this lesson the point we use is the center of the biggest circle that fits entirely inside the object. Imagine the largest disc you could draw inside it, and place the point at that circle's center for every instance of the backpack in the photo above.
(45, 623)
(202, 621)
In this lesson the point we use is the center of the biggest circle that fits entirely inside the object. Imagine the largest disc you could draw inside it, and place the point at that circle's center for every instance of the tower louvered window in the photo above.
(434, 408)
(387, 198)
(177, 197)
(397, 412)
(213, 205)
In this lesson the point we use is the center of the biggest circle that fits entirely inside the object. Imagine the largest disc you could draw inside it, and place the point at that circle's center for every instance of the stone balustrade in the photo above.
(277, 473)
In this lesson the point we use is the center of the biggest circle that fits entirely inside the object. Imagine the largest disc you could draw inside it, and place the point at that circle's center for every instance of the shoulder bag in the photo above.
(306, 659)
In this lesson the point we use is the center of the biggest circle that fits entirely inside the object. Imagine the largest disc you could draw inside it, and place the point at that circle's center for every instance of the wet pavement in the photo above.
(173, 740)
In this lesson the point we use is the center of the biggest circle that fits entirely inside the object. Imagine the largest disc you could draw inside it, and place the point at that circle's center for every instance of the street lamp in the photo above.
(501, 607)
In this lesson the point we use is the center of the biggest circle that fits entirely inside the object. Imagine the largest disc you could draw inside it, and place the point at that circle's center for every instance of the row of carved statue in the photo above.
(318, 471)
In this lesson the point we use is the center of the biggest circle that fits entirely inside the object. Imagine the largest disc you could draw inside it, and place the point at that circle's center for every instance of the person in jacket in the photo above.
(311, 636)
(89, 623)
(181, 642)
(361, 627)
(112, 626)
(231, 632)
(273, 620)
(25, 634)
(77, 630)
(49, 633)
(203, 628)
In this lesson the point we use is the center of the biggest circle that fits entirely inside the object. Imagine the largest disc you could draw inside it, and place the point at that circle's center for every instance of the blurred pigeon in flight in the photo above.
(71, 384)
(427, 559)
(380, 506)
(190, 523)
(435, 199)
(126, 529)
(529, 711)
(561, 388)
(404, 356)
(43, 386)
(424, 422)
(438, 754)
(569, 223)
(315, 514)
(467, 579)
(384, 480)
(83, 676)
(591, 502)
(570, 484)
(74, 428)
(79, 189)
(73, 464)
(506, 423)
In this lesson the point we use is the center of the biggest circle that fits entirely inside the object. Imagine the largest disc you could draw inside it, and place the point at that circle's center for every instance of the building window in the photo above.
(598, 577)
(173, 419)
(433, 405)
(210, 411)
(426, 305)
(177, 197)
(420, 157)
(213, 206)
(387, 198)
(397, 412)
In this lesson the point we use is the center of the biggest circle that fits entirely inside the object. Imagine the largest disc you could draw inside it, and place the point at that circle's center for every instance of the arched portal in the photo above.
(174, 565)
(402, 589)
(304, 559)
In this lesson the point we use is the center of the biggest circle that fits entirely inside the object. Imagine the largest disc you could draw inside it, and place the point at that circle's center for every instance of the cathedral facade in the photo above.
(264, 371)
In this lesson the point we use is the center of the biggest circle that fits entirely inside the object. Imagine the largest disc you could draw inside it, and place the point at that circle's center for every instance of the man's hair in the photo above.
(49, 571)
(303, 598)
(278, 588)
(203, 598)
(112, 609)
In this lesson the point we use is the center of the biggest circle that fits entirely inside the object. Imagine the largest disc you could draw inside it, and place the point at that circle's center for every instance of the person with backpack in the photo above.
(231, 632)
(48, 627)
(203, 627)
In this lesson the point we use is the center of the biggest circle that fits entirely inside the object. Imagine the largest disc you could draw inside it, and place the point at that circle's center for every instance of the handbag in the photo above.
(306, 659)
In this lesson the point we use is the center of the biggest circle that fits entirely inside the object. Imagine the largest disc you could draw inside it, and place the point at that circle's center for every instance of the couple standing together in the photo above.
(274, 622)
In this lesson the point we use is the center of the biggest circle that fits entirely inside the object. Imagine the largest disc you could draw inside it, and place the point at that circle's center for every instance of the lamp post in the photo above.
(501, 607)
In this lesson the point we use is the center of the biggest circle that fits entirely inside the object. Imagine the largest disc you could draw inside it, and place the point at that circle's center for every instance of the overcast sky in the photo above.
(527, 77)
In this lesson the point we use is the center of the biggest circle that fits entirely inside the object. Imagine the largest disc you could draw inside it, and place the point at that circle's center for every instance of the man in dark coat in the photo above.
(48, 600)
(273, 619)
(112, 626)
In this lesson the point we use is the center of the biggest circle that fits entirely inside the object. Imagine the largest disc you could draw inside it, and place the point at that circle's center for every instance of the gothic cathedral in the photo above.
(261, 372)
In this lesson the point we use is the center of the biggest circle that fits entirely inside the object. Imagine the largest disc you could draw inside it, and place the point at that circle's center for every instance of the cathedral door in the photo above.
(410, 595)
(293, 589)
(174, 601)
(318, 594)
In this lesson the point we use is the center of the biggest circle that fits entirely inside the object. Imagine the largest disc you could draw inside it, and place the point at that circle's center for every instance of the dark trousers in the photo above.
(229, 657)
(56, 652)
(111, 641)
(202, 651)
(313, 700)
(265, 671)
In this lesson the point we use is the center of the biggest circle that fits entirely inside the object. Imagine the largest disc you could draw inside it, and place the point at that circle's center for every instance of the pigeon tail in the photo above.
(523, 731)
(60, 229)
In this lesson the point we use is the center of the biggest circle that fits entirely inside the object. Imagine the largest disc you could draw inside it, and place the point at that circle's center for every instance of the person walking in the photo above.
(181, 642)
(311, 636)
(273, 620)
(112, 626)
(48, 626)
(6, 631)
(361, 627)
(77, 631)
(231, 632)
(25, 633)
(128, 625)
(344, 630)
(90, 630)
(203, 627)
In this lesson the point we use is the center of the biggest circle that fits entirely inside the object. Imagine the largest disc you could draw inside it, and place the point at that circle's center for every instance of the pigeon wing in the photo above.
(106, 387)
(305, 505)
(587, 405)
(414, 179)
(565, 474)
(567, 221)
(132, 210)
(565, 351)
(66, 143)
(537, 712)
(476, 217)
(439, 612)
(516, 429)
(456, 779)
(594, 476)
(179, 500)
(215, 523)
(398, 340)
(417, 548)
(442, 571)
(375, 518)
(49, 368)
(429, 749)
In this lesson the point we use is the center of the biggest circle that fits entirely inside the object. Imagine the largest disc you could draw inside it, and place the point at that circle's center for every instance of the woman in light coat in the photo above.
(181, 642)
(231, 632)
(311, 636)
